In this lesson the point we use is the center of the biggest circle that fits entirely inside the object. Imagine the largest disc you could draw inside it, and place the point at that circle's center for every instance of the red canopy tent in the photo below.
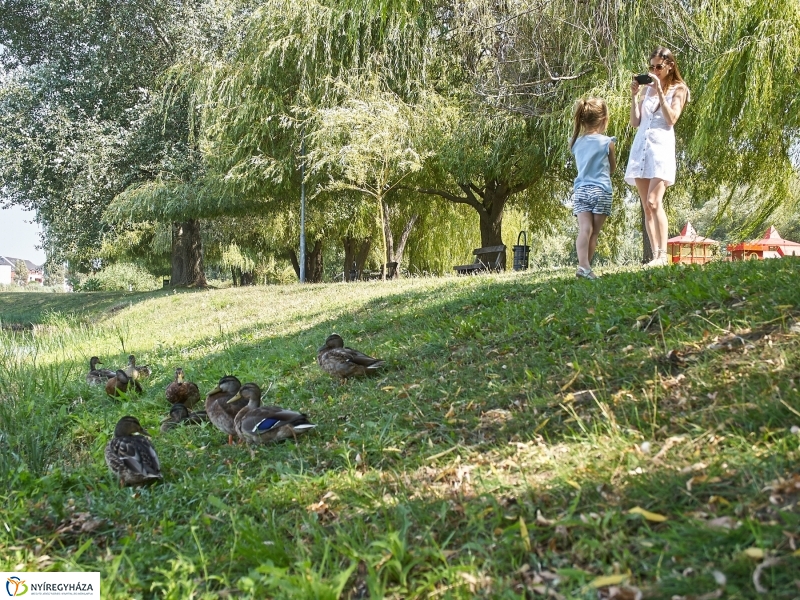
(770, 245)
(688, 247)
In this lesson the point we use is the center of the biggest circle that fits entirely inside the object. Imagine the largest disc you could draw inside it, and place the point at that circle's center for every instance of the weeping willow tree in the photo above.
(745, 122)
(511, 68)
(736, 136)
(291, 62)
(371, 144)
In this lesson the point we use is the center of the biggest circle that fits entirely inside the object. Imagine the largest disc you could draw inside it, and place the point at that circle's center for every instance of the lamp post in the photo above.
(302, 206)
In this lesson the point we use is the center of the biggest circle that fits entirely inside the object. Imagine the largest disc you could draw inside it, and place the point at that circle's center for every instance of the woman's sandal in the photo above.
(585, 273)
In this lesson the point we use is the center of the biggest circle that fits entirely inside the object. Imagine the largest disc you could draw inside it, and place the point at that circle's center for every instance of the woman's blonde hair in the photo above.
(588, 113)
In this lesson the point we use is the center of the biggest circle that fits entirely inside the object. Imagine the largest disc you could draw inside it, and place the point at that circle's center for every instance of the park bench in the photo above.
(490, 258)
(390, 274)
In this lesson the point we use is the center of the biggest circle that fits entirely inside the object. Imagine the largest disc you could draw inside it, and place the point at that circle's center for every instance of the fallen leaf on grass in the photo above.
(607, 580)
(523, 532)
(723, 523)
(622, 593)
(755, 553)
(650, 516)
(770, 562)
(79, 523)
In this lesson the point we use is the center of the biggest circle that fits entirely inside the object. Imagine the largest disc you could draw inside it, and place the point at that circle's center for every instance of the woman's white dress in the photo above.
(653, 151)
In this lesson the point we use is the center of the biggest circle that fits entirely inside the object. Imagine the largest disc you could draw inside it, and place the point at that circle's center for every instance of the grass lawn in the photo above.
(531, 436)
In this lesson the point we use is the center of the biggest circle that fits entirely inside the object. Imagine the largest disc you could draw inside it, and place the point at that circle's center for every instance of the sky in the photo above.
(18, 236)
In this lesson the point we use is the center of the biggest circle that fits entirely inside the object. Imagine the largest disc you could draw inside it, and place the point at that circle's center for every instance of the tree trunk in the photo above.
(355, 255)
(187, 255)
(313, 263)
(647, 251)
(489, 201)
(395, 255)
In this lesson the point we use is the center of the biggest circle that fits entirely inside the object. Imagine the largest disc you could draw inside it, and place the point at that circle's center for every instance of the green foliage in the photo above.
(119, 277)
(21, 273)
(519, 420)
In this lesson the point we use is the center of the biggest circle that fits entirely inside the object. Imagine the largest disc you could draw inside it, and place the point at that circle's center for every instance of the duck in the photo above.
(220, 411)
(182, 392)
(97, 376)
(121, 383)
(131, 457)
(179, 415)
(256, 424)
(135, 371)
(337, 360)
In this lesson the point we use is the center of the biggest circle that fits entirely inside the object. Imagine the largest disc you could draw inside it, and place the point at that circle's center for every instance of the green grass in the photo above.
(519, 420)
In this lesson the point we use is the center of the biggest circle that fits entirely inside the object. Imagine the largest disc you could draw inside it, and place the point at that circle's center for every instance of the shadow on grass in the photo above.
(23, 310)
(429, 470)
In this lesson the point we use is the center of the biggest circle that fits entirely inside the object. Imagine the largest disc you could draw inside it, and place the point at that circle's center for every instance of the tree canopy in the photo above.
(118, 121)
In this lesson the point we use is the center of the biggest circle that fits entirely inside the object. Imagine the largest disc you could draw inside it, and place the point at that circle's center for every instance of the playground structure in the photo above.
(688, 247)
(770, 245)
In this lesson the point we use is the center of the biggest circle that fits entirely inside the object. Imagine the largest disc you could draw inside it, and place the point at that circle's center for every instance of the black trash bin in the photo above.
(521, 252)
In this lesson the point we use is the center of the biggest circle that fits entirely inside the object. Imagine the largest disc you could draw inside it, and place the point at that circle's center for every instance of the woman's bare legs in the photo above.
(651, 192)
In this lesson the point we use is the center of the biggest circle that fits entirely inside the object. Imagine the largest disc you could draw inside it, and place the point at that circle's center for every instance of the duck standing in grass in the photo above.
(97, 376)
(121, 383)
(180, 415)
(135, 371)
(220, 411)
(256, 424)
(182, 392)
(337, 360)
(131, 457)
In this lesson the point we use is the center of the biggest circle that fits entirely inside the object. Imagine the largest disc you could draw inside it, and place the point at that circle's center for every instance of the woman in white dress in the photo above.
(651, 167)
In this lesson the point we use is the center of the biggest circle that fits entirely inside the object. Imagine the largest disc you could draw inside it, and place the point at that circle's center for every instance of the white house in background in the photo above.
(8, 270)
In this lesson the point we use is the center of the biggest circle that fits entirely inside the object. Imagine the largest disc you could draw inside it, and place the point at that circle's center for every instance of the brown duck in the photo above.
(121, 383)
(179, 415)
(337, 360)
(135, 371)
(182, 392)
(97, 376)
(256, 424)
(131, 457)
(221, 412)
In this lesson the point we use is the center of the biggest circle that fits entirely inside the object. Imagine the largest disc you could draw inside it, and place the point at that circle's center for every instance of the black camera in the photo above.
(643, 78)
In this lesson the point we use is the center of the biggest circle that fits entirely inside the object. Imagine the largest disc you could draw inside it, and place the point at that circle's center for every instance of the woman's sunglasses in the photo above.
(657, 67)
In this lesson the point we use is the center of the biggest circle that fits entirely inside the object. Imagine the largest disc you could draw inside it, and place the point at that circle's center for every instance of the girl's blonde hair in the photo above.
(588, 113)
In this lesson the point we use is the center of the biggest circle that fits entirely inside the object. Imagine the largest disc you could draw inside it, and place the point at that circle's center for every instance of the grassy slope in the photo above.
(478, 464)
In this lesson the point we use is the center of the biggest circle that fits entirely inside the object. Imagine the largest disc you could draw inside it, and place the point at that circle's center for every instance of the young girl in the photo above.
(594, 157)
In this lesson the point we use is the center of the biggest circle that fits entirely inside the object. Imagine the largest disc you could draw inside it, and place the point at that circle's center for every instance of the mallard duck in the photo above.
(135, 371)
(132, 457)
(182, 392)
(337, 360)
(97, 376)
(221, 412)
(122, 383)
(180, 415)
(258, 424)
